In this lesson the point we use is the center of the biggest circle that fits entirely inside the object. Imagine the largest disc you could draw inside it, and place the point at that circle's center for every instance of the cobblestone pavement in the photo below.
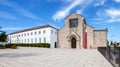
(45, 57)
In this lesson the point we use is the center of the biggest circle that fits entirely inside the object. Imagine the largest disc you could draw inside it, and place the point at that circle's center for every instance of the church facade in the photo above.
(76, 33)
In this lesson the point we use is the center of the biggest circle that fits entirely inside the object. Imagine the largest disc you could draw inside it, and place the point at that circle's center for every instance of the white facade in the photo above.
(41, 34)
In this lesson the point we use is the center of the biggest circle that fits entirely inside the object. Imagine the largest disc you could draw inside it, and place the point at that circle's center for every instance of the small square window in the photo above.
(24, 34)
(31, 40)
(51, 31)
(21, 35)
(73, 23)
(31, 33)
(39, 32)
(28, 34)
(35, 33)
(44, 31)
(44, 40)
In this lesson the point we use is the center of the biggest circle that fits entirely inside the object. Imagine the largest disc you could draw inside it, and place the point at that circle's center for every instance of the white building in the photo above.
(40, 34)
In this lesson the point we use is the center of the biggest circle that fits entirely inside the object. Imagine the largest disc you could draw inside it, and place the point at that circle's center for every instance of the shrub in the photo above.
(13, 46)
(41, 45)
(47, 45)
(32, 45)
(2, 47)
(7, 45)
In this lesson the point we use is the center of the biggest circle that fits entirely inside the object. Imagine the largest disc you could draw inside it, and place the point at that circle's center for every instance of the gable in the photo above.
(75, 16)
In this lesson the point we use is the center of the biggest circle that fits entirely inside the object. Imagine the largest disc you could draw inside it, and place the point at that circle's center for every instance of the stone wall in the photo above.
(89, 37)
(100, 38)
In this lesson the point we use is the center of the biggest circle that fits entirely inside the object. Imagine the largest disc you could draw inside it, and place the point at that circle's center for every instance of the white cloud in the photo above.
(118, 1)
(65, 1)
(108, 15)
(6, 15)
(62, 13)
(79, 11)
(99, 3)
(18, 8)
(113, 13)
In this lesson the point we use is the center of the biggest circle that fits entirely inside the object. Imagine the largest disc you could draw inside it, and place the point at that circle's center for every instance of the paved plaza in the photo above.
(46, 57)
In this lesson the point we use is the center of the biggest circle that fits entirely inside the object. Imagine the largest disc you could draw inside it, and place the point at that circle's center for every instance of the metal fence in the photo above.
(112, 55)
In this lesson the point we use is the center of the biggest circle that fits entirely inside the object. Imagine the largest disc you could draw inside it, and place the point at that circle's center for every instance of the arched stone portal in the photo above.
(73, 42)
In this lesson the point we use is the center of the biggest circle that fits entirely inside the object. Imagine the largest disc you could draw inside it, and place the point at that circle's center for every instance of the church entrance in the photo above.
(73, 42)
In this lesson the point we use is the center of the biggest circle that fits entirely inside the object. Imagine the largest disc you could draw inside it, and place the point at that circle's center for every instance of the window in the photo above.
(21, 34)
(51, 31)
(44, 40)
(22, 41)
(28, 34)
(24, 34)
(35, 33)
(40, 40)
(73, 23)
(31, 40)
(39, 32)
(25, 40)
(28, 40)
(31, 33)
(44, 31)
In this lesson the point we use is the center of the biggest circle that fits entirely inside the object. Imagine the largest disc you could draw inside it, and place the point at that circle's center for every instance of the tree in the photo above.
(0, 28)
(111, 43)
(3, 36)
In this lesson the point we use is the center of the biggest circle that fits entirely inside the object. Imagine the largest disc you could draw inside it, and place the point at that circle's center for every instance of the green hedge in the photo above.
(13, 46)
(2, 47)
(46, 45)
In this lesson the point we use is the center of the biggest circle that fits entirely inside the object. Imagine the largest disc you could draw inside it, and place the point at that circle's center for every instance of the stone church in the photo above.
(76, 33)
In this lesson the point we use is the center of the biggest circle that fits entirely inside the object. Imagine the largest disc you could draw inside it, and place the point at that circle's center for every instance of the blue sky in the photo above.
(21, 14)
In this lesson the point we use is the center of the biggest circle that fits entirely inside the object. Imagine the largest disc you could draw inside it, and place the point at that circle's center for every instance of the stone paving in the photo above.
(45, 57)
